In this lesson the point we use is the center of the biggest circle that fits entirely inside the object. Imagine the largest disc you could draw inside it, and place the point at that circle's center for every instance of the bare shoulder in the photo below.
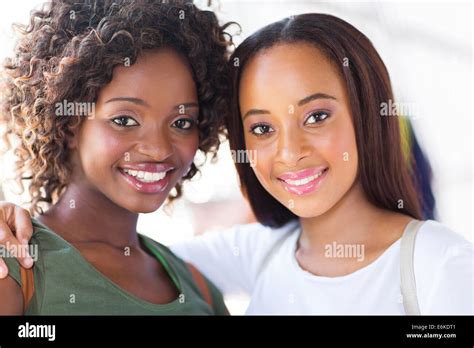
(11, 299)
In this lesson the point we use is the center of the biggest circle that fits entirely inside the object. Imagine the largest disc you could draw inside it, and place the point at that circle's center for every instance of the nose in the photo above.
(292, 146)
(156, 144)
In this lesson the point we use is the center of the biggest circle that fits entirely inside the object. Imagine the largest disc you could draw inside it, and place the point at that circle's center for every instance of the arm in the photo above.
(14, 220)
(231, 258)
(452, 292)
(221, 256)
(217, 256)
(11, 298)
(444, 271)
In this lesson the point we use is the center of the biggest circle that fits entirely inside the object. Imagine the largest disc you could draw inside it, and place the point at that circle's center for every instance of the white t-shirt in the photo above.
(237, 260)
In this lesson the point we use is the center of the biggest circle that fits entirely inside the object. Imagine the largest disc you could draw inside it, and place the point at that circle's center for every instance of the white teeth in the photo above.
(305, 180)
(145, 176)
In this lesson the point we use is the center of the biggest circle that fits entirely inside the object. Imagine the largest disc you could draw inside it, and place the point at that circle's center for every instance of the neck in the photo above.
(84, 214)
(353, 220)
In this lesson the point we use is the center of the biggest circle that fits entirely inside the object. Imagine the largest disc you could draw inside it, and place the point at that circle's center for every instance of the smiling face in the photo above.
(297, 121)
(143, 136)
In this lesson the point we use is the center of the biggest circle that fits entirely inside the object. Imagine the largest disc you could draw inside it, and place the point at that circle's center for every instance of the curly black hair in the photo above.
(68, 52)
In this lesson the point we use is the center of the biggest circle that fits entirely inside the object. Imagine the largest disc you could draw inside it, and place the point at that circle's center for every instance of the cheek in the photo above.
(263, 156)
(340, 150)
(186, 148)
(98, 145)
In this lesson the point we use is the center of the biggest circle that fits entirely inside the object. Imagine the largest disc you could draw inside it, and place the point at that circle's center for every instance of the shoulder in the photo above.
(437, 241)
(191, 275)
(42, 240)
(43, 243)
(45, 238)
(444, 270)
(10, 256)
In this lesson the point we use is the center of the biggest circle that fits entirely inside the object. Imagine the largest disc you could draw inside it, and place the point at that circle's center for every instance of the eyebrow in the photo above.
(300, 103)
(129, 99)
(314, 97)
(141, 102)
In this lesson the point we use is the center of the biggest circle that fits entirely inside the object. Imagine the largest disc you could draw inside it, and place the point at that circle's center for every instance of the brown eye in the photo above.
(124, 121)
(184, 123)
(261, 129)
(317, 117)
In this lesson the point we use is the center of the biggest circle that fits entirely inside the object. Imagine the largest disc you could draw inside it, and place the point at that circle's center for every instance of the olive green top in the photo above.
(67, 284)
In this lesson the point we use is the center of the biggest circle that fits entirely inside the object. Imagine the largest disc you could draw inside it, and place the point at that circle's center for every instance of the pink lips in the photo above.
(147, 187)
(300, 175)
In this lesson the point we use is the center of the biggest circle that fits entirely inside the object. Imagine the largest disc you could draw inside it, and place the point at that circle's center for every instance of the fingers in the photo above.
(22, 225)
(15, 248)
(3, 269)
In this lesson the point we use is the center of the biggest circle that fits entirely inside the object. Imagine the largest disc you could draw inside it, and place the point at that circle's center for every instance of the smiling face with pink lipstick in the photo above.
(142, 140)
(306, 97)
(297, 120)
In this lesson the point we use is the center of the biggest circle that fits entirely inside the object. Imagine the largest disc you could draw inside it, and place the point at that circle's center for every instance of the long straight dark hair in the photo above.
(383, 171)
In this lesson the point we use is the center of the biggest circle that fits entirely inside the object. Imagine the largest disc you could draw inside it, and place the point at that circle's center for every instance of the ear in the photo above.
(72, 141)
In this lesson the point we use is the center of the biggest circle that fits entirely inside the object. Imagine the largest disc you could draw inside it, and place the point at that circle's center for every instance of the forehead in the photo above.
(292, 71)
(162, 74)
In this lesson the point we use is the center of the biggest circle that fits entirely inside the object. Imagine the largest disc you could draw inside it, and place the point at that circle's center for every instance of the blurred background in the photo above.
(427, 48)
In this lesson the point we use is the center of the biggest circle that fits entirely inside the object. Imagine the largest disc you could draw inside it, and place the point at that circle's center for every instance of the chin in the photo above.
(143, 206)
(148, 210)
(306, 207)
(306, 214)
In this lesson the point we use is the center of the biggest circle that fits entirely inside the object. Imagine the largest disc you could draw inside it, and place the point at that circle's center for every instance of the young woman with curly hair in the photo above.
(107, 104)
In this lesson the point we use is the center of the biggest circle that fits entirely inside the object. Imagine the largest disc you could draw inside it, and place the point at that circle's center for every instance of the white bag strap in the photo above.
(407, 270)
